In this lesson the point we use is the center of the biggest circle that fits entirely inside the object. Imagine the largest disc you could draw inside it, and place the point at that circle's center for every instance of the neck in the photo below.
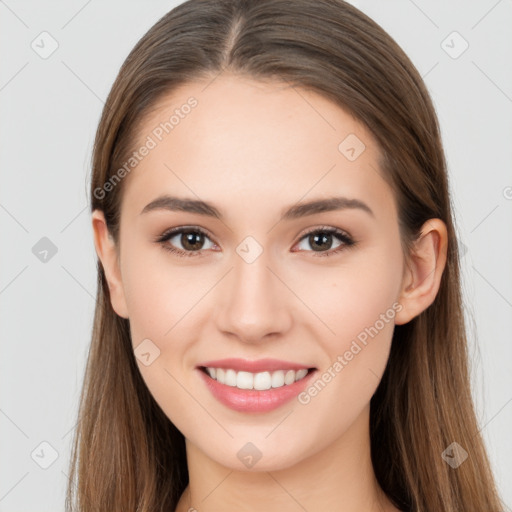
(339, 477)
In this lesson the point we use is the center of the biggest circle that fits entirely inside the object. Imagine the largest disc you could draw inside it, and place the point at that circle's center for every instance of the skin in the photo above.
(252, 149)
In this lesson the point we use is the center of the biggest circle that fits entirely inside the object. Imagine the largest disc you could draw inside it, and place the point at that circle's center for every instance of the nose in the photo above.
(252, 302)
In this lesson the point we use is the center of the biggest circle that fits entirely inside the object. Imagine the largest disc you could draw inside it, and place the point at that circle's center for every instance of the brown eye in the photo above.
(192, 240)
(185, 242)
(321, 241)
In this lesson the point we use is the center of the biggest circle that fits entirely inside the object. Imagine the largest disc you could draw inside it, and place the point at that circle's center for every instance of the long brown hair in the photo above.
(127, 455)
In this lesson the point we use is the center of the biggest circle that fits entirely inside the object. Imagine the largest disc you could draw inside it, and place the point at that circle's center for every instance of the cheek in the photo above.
(353, 296)
(158, 294)
(357, 305)
(159, 299)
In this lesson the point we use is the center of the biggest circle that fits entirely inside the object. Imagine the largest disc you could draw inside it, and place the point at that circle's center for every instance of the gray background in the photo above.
(50, 108)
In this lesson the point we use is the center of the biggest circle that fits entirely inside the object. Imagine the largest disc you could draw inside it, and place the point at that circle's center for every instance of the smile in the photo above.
(259, 381)
(254, 386)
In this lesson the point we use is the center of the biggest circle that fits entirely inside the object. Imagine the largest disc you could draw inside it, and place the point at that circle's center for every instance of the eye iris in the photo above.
(320, 239)
(192, 240)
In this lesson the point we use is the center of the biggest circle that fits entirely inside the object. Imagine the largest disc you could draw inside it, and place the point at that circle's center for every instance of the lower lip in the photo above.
(251, 400)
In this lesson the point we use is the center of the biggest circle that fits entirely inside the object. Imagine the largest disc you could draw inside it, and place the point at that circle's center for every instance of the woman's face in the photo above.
(263, 273)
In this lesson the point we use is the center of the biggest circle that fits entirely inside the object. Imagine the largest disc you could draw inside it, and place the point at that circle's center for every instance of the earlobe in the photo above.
(424, 271)
(106, 250)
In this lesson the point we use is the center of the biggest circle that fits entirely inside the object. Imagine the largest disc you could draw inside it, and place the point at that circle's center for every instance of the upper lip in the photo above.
(259, 365)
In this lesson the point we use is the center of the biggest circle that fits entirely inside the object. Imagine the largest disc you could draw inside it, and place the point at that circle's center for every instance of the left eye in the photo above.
(190, 242)
(320, 239)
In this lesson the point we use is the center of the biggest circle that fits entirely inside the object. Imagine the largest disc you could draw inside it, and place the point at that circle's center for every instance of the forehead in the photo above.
(239, 140)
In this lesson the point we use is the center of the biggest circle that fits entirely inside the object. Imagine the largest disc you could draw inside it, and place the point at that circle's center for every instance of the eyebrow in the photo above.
(296, 211)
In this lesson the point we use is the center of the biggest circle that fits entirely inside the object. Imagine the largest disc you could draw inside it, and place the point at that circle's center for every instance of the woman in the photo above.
(310, 354)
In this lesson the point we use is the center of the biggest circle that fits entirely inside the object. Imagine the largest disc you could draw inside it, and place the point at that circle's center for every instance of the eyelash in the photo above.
(348, 242)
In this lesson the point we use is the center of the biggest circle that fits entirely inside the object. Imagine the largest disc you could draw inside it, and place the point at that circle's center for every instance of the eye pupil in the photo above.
(188, 239)
(320, 239)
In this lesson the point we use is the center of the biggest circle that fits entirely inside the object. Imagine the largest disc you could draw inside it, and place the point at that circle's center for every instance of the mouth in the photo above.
(260, 381)
(255, 386)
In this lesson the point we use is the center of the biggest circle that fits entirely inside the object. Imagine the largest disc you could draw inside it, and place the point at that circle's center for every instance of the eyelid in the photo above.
(179, 229)
(330, 229)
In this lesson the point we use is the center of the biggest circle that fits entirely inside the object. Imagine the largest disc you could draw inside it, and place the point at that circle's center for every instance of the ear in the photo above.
(106, 250)
(422, 275)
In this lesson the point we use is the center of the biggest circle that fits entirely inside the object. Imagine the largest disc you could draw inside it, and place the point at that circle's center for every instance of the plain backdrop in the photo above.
(50, 107)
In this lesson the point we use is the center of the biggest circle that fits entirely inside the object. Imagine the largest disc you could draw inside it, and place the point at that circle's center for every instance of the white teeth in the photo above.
(230, 378)
(289, 378)
(299, 374)
(259, 381)
(244, 380)
(262, 381)
(220, 375)
(278, 379)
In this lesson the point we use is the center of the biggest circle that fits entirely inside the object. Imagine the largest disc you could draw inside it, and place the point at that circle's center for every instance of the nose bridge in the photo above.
(254, 302)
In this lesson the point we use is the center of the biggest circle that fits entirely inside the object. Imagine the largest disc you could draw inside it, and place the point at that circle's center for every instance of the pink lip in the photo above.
(261, 365)
(251, 400)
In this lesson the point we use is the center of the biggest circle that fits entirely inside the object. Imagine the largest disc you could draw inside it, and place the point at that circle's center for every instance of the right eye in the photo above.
(184, 241)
